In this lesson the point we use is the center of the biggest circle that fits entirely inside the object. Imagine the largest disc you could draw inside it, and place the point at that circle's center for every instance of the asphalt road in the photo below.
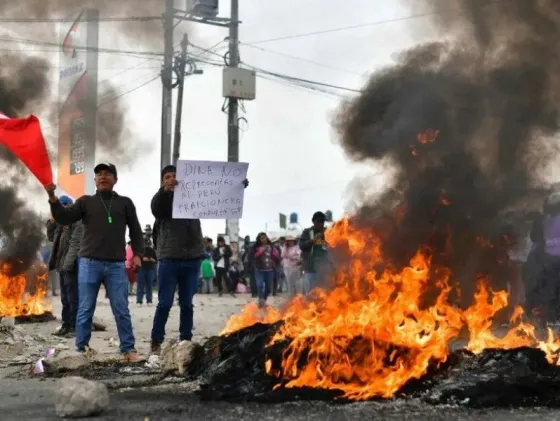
(33, 400)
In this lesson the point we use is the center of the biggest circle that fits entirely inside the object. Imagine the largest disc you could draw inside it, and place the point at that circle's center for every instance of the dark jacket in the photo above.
(306, 246)
(66, 245)
(177, 239)
(227, 256)
(246, 258)
(103, 238)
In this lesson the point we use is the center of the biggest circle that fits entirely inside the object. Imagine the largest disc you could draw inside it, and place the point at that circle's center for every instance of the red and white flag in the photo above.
(24, 138)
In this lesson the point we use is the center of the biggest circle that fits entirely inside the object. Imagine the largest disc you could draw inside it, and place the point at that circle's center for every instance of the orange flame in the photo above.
(423, 138)
(373, 332)
(14, 298)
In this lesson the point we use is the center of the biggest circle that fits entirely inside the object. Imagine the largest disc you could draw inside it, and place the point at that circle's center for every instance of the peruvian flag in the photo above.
(24, 138)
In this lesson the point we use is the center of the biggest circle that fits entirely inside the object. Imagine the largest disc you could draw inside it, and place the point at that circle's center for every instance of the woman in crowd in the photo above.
(291, 256)
(265, 259)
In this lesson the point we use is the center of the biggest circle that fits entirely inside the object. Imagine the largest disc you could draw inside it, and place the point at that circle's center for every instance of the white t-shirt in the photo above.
(222, 262)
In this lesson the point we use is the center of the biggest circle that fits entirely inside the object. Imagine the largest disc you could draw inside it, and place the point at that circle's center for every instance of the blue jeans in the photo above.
(145, 283)
(310, 282)
(91, 274)
(264, 282)
(173, 274)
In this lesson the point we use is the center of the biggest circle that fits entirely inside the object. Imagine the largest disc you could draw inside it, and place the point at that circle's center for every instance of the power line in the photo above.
(290, 81)
(363, 25)
(83, 48)
(317, 63)
(209, 50)
(297, 79)
(72, 20)
(137, 67)
(129, 91)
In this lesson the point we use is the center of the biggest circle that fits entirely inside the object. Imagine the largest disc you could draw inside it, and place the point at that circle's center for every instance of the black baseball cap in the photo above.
(318, 216)
(107, 166)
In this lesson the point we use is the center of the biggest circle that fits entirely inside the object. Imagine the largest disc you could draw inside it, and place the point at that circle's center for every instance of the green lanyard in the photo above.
(108, 209)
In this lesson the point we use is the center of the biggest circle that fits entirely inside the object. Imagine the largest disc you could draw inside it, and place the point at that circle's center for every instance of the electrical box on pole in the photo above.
(203, 8)
(239, 83)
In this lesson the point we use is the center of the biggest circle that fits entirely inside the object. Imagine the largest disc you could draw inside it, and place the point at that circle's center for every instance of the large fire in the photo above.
(23, 294)
(372, 333)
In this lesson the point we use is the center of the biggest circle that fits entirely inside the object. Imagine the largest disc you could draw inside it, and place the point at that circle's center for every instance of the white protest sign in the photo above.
(209, 190)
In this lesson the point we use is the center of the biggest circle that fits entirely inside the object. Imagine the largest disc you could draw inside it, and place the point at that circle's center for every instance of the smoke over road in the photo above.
(466, 123)
(25, 88)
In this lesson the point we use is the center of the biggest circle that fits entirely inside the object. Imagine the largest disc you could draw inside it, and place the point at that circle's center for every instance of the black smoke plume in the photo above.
(24, 86)
(147, 33)
(466, 123)
(112, 136)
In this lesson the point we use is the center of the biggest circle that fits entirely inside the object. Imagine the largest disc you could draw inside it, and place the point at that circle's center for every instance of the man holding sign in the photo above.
(183, 199)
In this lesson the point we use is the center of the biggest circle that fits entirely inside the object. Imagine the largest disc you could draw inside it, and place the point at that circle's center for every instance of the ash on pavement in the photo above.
(33, 400)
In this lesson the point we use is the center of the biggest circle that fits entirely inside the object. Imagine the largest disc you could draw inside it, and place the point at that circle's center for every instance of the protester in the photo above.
(180, 251)
(265, 259)
(315, 258)
(209, 245)
(147, 275)
(221, 256)
(545, 233)
(64, 260)
(208, 273)
(291, 258)
(105, 217)
(248, 268)
(280, 277)
(235, 274)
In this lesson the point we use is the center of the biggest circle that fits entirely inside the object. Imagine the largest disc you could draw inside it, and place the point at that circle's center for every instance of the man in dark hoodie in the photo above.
(105, 216)
(180, 250)
(64, 259)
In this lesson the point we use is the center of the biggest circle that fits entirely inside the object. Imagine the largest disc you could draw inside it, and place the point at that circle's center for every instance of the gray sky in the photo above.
(294, 162)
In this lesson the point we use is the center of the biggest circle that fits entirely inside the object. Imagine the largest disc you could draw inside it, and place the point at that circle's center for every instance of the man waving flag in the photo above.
(24, 138)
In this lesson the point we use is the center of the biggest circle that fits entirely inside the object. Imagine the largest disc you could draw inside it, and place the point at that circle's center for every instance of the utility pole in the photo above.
(167, 80)
(232, 226)
(181, 69)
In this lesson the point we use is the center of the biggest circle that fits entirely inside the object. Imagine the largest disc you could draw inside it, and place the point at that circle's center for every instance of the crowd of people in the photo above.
(89, 249)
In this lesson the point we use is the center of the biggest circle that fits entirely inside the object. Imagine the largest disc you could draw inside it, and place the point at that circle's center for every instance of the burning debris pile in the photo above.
(465, 124)
(382, 333)
(23, 295)
(237, 368)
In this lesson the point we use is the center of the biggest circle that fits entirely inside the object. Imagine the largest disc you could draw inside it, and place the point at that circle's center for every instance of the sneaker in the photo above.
(155, 348)
(138, 305)
(262, 303)
(232, 294)
(133, 357)
(61, 331)
(70, 333)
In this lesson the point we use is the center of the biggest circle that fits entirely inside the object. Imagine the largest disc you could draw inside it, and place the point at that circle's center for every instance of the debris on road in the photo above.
(178, 356)
(65, 362)
(77, 397)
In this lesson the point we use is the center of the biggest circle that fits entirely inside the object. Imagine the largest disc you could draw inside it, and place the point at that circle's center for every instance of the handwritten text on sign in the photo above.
(209, 190)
